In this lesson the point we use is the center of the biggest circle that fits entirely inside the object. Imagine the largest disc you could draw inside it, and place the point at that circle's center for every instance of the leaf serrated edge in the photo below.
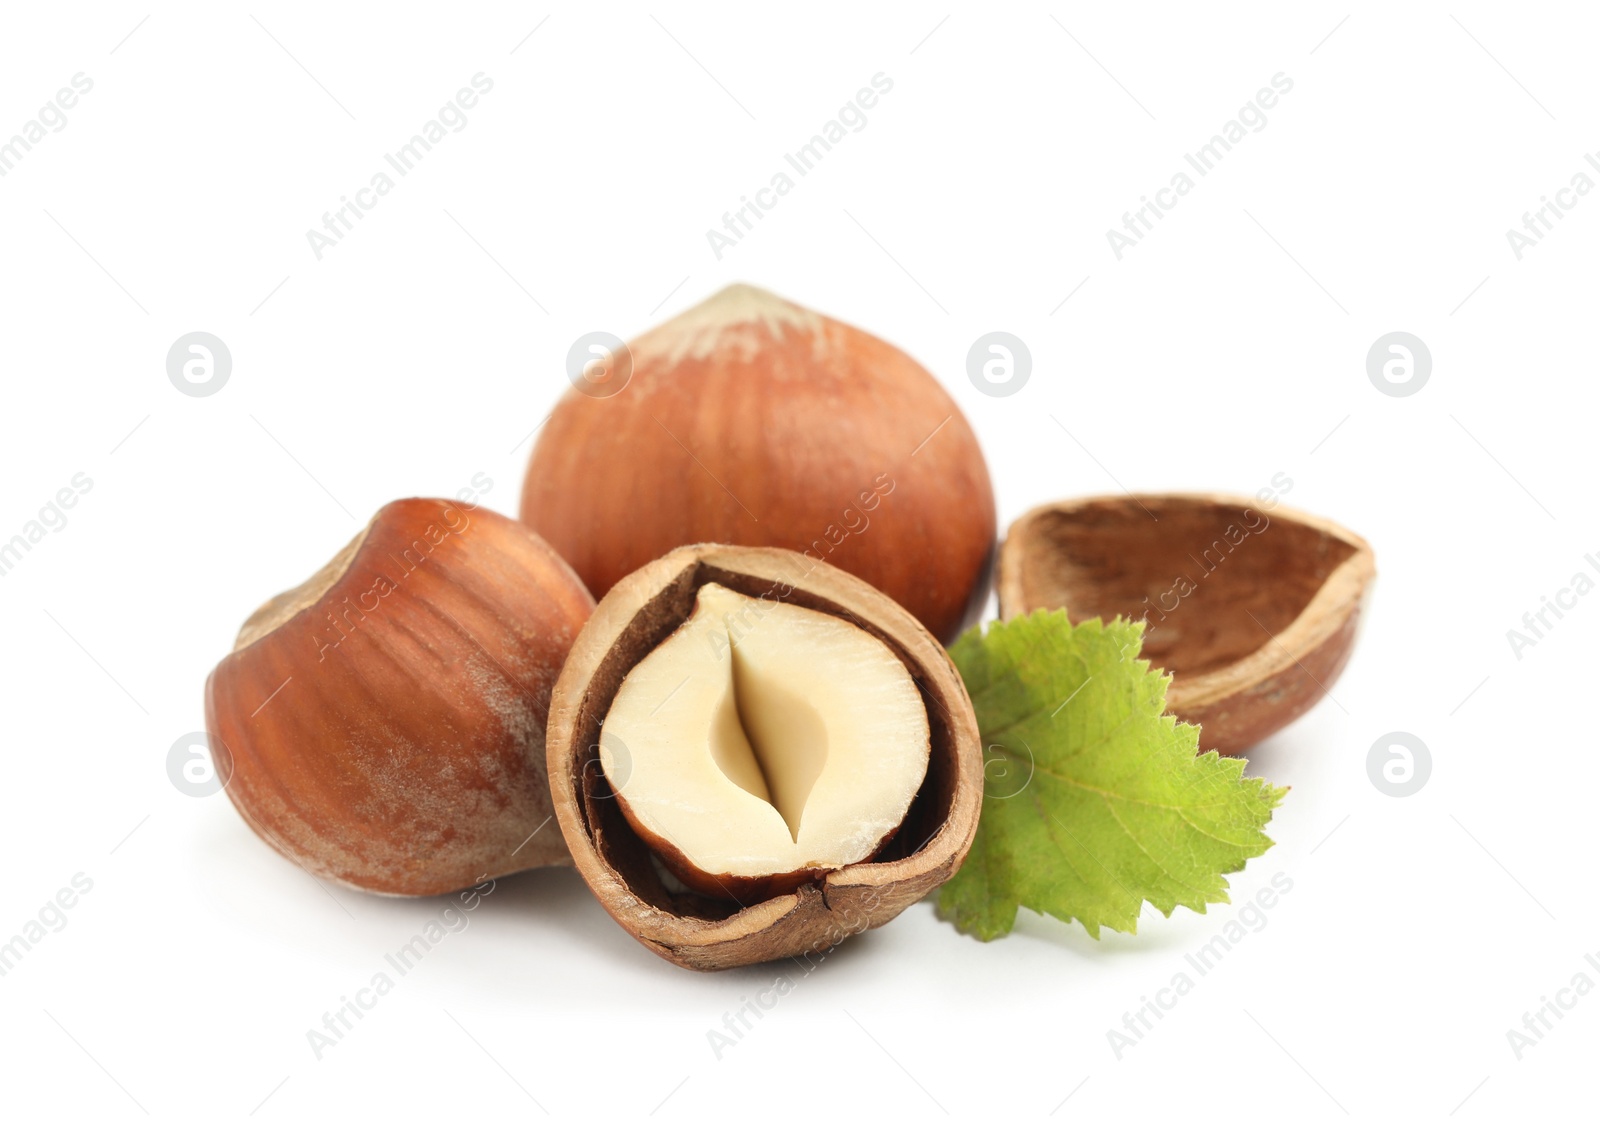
(1272, 794)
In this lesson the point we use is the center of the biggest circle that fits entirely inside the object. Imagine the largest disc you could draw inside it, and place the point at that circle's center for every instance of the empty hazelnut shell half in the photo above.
(1252, 607)
(704, 933)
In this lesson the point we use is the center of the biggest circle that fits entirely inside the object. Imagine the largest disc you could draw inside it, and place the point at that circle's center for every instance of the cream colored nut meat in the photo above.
(765, 741)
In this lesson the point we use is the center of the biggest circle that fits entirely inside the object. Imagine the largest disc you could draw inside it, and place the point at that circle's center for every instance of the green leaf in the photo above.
(1095, 801)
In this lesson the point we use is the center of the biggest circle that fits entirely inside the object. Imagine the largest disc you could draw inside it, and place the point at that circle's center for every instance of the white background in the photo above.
(1228, 346)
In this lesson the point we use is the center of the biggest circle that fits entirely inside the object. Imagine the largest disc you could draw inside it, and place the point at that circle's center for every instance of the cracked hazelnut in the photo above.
(753, 755)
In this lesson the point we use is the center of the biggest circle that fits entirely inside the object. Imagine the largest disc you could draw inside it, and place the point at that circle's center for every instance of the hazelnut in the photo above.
(751, 421)
(383, 723)
(753, 755)
(1253, 610)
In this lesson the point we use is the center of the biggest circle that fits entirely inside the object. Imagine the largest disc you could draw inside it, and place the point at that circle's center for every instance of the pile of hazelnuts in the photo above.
(429, 710)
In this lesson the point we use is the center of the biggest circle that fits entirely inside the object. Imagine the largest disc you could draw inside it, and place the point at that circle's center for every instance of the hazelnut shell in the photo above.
(389, 734)
(1274, 598)
(692, 930)
(752, 421)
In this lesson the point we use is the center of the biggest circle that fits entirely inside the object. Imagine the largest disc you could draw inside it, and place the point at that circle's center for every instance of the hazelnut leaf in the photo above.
(1095, 801)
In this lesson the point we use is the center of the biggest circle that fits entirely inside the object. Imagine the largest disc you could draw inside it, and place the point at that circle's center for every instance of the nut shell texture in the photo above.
(708, 934)
(751, 421)
(1254, 609)
(383, 725)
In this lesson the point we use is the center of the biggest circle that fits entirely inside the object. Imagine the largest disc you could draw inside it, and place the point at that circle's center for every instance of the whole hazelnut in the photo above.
(751, 421)
(383, 724)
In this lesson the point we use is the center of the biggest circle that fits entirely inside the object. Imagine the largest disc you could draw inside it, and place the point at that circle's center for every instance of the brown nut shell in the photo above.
(383, 724)
(1252, 608)
(752, 421)
(707, 934)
